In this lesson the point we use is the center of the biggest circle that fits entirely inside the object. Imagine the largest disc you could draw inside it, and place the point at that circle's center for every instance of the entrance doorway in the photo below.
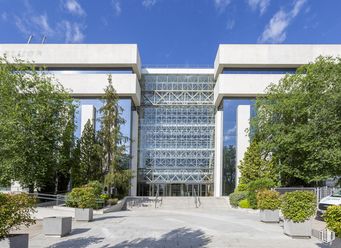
(179, 189)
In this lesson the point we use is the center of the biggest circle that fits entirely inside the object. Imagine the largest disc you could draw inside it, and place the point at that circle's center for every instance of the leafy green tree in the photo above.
(36, 127)
(256, 164)
(117, 176)
(89, 161)
(299, 123)
(229, 169)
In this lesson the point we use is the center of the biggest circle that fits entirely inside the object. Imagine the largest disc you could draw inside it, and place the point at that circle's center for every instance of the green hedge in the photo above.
(236, 197)
(298, 206)
(333, 219)
(83, 197)
(244, 204)
(15, 211)
(257, 185)
(268, 200)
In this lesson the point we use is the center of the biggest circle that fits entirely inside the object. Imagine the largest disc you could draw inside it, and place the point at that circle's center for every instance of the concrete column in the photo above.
(88, 112)
(243, 140)
(218, 160)
(134, 148)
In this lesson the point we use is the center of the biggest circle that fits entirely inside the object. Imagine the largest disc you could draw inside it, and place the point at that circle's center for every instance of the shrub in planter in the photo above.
(244, 204)
(298, 208)
(257, 185)
(96, 186)
(333, 219)
(236, 197)
(83, 197)
(268, 202)
(16, 210)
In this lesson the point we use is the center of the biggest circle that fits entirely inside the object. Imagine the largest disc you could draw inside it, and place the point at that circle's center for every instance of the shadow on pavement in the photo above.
(78, 242)
(181, 237)
(79, 231)
(107, 217)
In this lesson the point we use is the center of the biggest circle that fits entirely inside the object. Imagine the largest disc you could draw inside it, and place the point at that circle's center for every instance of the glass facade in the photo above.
(230, 106)
(176, 134)
(126, 105)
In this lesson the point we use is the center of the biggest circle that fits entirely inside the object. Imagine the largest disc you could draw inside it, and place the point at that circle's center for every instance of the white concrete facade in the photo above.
(134, 151)
(243, 140)
(218, 166)
(88, 112)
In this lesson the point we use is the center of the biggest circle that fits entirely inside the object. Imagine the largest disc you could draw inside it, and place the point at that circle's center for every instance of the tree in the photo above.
(113, 148)
(299, 123)
(36, 127)
(89, 161)
(256, 164)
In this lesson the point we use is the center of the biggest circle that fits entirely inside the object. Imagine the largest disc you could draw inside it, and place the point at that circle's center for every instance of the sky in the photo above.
(172, 32)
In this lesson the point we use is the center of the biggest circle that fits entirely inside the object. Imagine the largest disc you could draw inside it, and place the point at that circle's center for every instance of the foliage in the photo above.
(96, 186)
(36, 127)
(112, 140)
(104, 197)
(268, 199)
(257, 185)
(16, 210)
(244, 204)
(90, 167)
(299, 123)
(333, 219)
(298, 206)
(242, 187)
(82, 197)
(256, 164)
(236, 197)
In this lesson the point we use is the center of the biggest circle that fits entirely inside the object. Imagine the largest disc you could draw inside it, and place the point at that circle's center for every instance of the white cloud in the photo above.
(116, 5)
(73, 31)
(4, 16)
(74, 7)
(262, 5)
(42, 24)
(149, 3)
(275, 30)
(221, 5)
(230, 24)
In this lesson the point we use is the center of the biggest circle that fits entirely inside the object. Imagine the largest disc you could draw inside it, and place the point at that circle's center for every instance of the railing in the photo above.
(45, 200)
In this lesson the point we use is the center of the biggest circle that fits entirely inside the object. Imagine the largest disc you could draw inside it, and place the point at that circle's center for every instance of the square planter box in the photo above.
(57, 226)
(84, 214)
(15, 241)
(269, 216)
(298, 230)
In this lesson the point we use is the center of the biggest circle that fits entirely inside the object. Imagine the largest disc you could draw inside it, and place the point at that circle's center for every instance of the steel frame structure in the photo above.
(176, 126)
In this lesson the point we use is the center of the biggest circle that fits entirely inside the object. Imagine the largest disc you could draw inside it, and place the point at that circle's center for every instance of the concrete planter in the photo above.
(15, 241)
(298, 230)
(84, 214)
(336, 243)
(269, 216)
(57, 226)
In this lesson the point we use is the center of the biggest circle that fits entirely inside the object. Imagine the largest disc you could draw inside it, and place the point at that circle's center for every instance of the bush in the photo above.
(244, 204)
(16, 210)
(112, 201)
(257, 185)
(236, 197)
(242, 187)
(298, 206)
(333, 219)
(83, 197)
(267, 199)
(97, 187)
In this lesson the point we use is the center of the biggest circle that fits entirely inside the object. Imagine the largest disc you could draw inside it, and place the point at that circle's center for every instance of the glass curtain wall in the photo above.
(230, 106)
(176, 149)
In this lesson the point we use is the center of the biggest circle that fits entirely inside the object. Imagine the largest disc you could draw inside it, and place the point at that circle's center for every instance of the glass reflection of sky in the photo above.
(230, 118)
(98, 103)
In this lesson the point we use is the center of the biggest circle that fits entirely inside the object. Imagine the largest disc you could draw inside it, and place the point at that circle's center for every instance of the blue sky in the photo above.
(169, 32)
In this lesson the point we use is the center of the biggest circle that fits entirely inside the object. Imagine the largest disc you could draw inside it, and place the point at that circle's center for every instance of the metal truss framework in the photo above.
(176, 129)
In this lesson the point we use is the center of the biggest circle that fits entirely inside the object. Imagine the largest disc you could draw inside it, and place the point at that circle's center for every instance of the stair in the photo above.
(177, 202)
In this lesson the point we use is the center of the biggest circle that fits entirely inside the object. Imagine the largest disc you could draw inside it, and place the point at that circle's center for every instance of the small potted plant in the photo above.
(333, 219)
(84, 201)
(298, 208)
(15, 210)
(268, 202)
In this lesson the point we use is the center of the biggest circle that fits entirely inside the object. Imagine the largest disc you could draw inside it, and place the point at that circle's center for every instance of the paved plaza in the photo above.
(172, 228)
